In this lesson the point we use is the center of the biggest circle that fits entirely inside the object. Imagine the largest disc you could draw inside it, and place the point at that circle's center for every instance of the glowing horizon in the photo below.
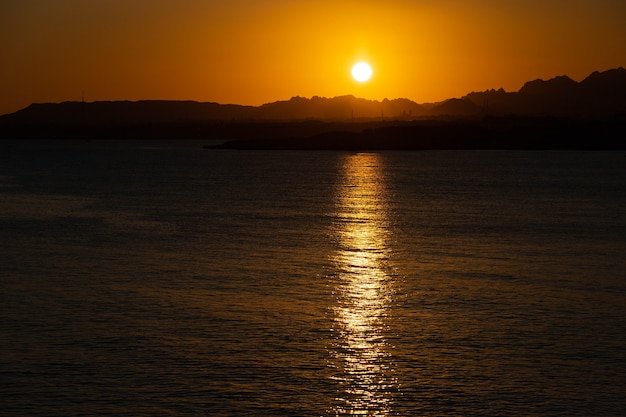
(245, 52)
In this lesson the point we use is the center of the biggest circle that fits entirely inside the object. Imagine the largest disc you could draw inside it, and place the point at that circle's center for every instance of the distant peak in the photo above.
(556, 84)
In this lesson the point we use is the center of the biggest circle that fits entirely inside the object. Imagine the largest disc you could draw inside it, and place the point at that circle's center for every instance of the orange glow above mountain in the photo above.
(250, 52)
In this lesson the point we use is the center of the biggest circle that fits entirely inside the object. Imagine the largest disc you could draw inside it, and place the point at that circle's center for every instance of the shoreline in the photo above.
(497, 133)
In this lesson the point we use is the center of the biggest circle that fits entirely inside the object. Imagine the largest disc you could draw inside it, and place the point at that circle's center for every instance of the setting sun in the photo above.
(361, 71)
(424, 51)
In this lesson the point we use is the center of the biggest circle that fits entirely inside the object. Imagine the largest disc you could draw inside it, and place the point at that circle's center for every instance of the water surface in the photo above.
(149, 279)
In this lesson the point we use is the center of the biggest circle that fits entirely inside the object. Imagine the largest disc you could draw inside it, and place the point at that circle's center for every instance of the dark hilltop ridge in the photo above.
(559, 113)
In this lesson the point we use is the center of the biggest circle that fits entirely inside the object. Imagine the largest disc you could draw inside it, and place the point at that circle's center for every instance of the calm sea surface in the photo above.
(155, 279)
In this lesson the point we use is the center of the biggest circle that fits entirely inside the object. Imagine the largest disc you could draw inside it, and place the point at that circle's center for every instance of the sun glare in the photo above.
(361, 71)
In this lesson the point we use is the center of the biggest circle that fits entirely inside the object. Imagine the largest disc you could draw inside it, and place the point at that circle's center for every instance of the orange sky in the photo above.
(253, 52)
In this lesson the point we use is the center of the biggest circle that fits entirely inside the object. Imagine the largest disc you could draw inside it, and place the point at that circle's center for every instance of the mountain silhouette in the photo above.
(160, 111)
(126, 112)
(342, 108)
(601, 93)
(600, 96)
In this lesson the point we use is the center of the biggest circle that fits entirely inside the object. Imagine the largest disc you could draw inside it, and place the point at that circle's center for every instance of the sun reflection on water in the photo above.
(363, 291)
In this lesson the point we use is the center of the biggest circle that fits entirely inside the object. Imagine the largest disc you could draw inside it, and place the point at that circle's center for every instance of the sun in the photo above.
(361, 71)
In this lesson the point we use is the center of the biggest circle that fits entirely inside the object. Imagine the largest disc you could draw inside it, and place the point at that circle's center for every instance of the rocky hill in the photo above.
(601, 94)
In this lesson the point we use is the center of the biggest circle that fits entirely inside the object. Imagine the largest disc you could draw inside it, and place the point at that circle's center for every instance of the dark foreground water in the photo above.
(155, 279)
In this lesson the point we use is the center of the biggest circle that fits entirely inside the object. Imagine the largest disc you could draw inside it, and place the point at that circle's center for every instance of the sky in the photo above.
(252, 52)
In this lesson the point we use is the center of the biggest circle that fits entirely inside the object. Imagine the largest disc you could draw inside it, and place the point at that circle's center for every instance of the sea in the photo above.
(158, 278)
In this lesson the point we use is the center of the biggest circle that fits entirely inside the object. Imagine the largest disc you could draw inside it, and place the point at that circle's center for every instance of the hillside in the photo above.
(601, 96)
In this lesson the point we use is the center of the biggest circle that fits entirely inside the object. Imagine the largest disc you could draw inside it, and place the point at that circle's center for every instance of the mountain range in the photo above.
(601, 94)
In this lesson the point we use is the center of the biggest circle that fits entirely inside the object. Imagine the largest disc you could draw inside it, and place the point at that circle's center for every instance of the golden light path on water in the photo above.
(363, 290)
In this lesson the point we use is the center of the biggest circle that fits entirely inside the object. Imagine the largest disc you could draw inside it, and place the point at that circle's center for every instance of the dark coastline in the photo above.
(501, 133)
(496, 134)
